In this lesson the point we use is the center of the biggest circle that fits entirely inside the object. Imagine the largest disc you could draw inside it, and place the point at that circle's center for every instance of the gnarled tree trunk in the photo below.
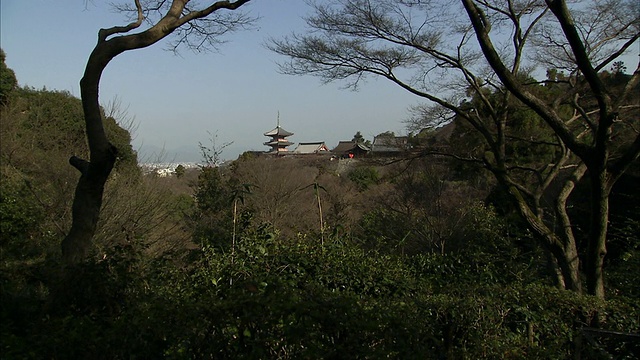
(603, 171)
(564, 250)
(87, 202)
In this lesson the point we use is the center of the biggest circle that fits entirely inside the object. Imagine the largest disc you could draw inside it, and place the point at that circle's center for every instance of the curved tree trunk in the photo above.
(87, 202)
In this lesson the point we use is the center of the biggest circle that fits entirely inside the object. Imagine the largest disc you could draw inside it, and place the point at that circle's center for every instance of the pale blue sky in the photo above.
(176, 100)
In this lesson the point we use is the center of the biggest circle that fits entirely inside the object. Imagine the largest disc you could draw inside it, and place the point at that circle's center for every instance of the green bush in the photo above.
(364, 177)
(294, 298)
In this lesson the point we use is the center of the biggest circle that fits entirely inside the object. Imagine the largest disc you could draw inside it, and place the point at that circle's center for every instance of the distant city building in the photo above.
(318, 147)
(166, 169)
(278, 142)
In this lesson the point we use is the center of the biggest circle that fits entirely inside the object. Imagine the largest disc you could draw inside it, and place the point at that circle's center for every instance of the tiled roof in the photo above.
(389, 144)
(346, 146)
(311, 147)
(278, 131)
(278, 143)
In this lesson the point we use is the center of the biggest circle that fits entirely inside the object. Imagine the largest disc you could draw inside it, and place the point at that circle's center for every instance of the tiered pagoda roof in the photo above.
(278, 142)
(278, 131)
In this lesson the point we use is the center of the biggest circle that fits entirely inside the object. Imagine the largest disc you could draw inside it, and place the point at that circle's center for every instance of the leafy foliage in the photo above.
(8, 81)
(291, 299)
(364, 176)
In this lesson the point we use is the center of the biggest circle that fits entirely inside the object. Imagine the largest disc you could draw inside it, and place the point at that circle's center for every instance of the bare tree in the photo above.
(428, 49)
(195, 28)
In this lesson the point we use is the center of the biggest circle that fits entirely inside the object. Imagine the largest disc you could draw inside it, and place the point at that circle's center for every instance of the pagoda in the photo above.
(278, 142)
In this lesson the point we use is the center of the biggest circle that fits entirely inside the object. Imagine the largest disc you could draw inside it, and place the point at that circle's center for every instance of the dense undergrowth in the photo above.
(297, 299)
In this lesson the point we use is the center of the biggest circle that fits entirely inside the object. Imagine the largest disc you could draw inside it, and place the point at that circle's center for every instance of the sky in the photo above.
(179, 101)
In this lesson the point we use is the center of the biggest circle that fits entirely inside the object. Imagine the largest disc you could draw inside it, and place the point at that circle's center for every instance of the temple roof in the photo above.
(311, 147)
(278, 143)
(278, 131)
(389, 144)
(346, 146)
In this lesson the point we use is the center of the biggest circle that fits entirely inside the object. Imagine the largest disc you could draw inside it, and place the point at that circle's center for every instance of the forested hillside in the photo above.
(288, 258)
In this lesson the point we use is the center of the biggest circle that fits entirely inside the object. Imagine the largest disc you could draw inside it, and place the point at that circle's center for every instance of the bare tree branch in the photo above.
(103, 34)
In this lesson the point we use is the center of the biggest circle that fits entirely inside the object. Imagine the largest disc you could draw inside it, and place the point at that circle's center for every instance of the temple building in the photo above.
(350, 149)
(278, 141)
(389, 145)
(317, 147)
